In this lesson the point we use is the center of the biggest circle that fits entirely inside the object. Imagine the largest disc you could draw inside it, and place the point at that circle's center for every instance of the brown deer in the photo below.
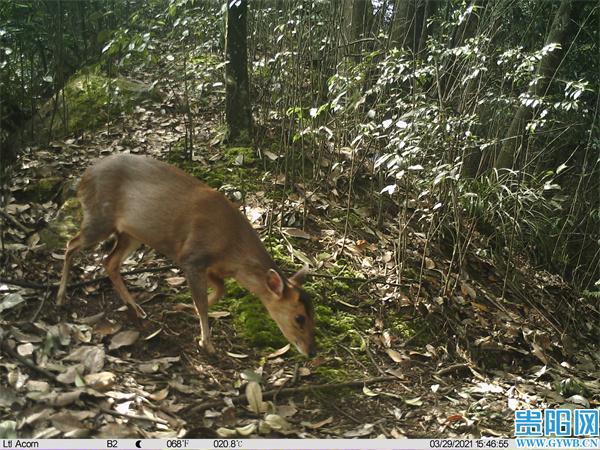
(144, 201)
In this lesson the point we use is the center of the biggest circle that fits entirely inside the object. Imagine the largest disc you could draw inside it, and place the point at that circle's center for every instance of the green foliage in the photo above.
(251, 320)
(43, 43)
(432, 124)
(240, 156)
(528, 213)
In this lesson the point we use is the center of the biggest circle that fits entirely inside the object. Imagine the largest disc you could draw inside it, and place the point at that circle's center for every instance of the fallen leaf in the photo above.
(304, 371)
(414, 401)
(296, 232)
(160, 395)
(100, 381)
(10, 301)
(106, 327)
(364, 430)
(276, 422)
(154, 365)
(153, 335)
(123, 339)
(223, 432)
(25, 349)
(287, 410)
(19, 336)
(537, 351)
(176, 281)
(37, 386)
(396, 356)
(8, 429)
(279, 352)
(513, 403)
(237, 355)
(71, 374)
(91, 320)
(251, 375)
(66, 422)
(66, 398)
(486, 388)
(254, 395)
(246, 430)
(317, 425)
(91, 357)
(455, 418)
(272, 156)
(368, 392)
(467, 290)
(184, 389)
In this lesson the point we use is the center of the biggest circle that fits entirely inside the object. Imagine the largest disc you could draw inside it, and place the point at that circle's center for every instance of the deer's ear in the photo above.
(299, 277)
(274, 283)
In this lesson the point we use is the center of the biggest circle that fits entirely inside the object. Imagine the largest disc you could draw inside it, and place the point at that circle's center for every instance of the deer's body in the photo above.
(145, 201)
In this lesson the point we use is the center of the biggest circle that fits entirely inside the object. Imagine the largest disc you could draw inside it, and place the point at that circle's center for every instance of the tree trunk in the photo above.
(473, 165)
(560, 33)
(409, 23)
(358, 18)
(429, 10)
(238, 112)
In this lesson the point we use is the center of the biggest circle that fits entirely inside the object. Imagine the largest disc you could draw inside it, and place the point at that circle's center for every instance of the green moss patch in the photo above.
(90, 99)
(63, 226)
(251, 319)
(240, 156)
(42, 190)
(231, 170)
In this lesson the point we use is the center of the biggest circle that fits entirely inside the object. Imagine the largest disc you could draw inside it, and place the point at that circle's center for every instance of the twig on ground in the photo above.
(452, 368)
(15, 222)
(375, 280)
(346, 414)
(26, 362)
(203, 406)
(372, 358)
(39, 309)
(130, 416)
(32, 285)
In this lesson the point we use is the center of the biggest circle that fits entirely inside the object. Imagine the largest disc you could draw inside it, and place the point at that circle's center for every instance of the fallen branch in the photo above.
(131, 416)
(452, 368)
(203, 406)
(6, 348)
(15, 222)
(375, 280)
(32, 285)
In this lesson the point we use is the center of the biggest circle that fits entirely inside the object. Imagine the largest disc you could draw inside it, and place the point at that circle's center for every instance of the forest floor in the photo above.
(412, 351)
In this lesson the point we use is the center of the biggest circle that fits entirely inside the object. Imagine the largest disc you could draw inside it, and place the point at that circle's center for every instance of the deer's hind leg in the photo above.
(123, 247)
(89, 235)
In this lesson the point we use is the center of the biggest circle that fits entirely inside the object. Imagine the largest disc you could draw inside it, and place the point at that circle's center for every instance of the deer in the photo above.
(140, 200)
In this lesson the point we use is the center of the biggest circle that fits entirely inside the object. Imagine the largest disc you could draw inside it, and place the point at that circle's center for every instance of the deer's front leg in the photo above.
(197, 280)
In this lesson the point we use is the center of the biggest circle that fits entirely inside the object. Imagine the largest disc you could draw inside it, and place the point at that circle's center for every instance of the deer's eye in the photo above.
(300, 320)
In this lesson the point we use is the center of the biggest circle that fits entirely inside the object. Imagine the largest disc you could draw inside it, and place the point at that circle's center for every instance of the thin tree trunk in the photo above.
(409, 22)
(560, 33)
(430, 8)
(238, 112)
